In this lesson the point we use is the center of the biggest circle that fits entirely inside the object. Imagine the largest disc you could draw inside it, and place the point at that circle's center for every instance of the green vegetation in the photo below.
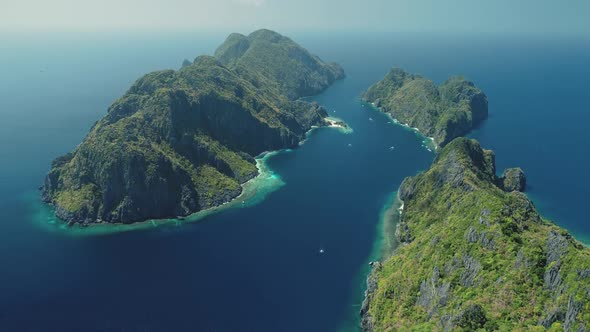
(74, 200)
(265, 55)
(443, 112)
(182, 141)
(474, 256)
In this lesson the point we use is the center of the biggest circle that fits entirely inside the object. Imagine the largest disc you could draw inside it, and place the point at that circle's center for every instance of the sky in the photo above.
(537, 17)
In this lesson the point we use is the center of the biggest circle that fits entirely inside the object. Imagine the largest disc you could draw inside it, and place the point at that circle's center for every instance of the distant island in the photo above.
(441, 112)
(473, 254)
(179, 142)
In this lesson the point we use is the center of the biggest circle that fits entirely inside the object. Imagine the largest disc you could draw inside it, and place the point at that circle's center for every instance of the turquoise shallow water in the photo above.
(259, 267)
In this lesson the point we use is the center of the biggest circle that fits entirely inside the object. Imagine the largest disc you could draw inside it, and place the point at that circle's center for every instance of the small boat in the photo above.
(370, 119)
(392, 147)
(349, 144)
(321, 251)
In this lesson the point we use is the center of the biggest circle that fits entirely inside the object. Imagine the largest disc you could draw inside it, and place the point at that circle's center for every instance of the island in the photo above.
(442, 112)
(473, 254)
(182, 141)
(339, 124)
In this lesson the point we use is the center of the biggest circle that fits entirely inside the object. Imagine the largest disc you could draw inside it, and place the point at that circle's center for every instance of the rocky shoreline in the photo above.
(366, 319)
(429, 142)
(72, 219)
(394, 237)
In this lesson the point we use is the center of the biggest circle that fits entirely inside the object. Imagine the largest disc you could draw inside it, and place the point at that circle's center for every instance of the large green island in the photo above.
(442, 112)
(182, 141)
(473, 254)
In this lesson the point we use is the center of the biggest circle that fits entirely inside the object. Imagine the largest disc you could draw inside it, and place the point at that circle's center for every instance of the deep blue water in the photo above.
(259, 268)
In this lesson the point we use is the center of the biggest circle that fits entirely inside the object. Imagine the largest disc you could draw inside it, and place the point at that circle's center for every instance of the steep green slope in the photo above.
(177, 142)
(443, 112)
(476, 257)
(265, 55)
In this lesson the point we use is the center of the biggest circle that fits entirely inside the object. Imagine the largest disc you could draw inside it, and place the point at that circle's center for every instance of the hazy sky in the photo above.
(513, 16)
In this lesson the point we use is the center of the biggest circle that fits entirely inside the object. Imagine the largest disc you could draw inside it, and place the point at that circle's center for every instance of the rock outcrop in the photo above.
(366, 319)
(513, 179)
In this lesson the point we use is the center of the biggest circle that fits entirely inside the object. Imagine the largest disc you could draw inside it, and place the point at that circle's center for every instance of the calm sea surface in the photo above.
(259, 268)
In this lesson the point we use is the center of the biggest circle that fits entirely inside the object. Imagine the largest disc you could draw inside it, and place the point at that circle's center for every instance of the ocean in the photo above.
(296, 260)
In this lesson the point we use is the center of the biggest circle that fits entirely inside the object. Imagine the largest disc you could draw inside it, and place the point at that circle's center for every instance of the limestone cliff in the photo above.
(475, 256)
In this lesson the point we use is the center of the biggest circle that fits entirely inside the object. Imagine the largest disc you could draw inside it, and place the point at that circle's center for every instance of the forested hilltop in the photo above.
(474, 254)
(265, 55)
(442, 112)
(180, 141)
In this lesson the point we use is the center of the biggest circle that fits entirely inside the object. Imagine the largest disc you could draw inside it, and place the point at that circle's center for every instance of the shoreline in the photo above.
(427, 141)
(339, 124)
(383, 247)
(386, 242)
(390, 218)
(582, 238)
(253, 192)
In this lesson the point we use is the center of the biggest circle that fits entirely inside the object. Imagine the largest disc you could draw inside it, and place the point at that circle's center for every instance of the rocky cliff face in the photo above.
(513, 179)
(177, 142)
(476, 255)
(443, 112)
